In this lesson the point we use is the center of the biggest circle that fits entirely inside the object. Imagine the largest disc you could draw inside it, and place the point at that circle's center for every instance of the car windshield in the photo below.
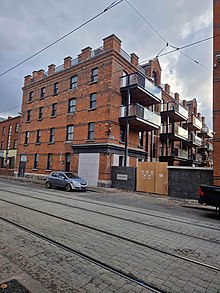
(71, 175)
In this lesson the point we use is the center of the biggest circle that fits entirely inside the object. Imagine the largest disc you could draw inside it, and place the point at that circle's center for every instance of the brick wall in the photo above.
(120, 173)
(183, 182)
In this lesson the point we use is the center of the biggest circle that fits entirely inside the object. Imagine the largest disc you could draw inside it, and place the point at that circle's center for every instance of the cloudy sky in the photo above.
(28, 26)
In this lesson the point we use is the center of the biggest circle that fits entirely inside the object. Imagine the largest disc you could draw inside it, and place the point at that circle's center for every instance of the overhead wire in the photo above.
(167, 43)
(113, 4)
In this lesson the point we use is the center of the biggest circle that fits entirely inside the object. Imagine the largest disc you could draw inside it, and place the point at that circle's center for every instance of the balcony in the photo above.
(193, 123)
(205, 132)
(175, 112)
(142, 90)
(173, 154)
(196, 158)
(194, 140)
(140, 118)
(173, 132)
(206, 146)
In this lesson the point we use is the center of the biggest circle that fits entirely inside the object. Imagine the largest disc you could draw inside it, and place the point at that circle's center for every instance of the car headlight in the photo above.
(76, 184)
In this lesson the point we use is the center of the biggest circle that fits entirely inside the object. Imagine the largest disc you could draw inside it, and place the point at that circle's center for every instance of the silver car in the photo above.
(66, 180)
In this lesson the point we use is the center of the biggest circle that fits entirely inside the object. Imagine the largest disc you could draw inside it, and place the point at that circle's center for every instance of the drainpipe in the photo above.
(127, 123)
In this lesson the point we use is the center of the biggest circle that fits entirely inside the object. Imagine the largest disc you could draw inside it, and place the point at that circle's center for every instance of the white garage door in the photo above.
(89, 167)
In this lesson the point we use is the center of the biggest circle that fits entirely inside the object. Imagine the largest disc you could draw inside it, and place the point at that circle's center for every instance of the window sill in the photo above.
(29, 102)
(51, 142)
(42, 98)
(28, 121)
(122, 142)
(35, 169)
(140, 147)
(40, 119)
(25, 144)
(48, 170)
(92, 109)
(94, 81)
(69, 141)
(73, 113)
(37, 143)
(55, 94)
(72, 89)
(89, 140)
(54, 116)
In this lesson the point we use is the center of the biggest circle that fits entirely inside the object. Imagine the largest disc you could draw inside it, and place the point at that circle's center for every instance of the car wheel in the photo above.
(68, 187)
(48, 185)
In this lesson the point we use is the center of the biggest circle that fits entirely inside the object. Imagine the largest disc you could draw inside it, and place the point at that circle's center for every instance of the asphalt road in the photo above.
(106, 240)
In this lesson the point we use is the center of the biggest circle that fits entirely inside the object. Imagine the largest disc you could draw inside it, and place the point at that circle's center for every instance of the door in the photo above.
(67, 162)
(22, 165)
(89, 167)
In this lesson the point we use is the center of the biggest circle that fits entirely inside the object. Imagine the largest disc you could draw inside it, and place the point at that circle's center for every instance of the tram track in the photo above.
(118, 208)
(115, 217)
(128, 276)
(143, 245)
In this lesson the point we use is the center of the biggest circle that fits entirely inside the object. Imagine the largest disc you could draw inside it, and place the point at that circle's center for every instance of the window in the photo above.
(69, 133)
(55, 88)
(3, 130)
(16, 127)
(42, 93)
(15, 144)
(49, 162)
(120, 161)
(38, 136)
(141, 139)
(72, 106)
(94, 75)
(52, 131)
(28, 115)
(54, 110)
(40, 114)
(27, 133)
(36, 161)
(122, 134)
(2, 145)
(91, 130)
(93, 101)
(30, 99)
(73, 82)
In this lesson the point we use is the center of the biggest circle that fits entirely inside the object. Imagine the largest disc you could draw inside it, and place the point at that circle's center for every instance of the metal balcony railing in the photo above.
(192, 119)
(195, 139)
(141, 81)
(137, 110)
(176, 152)
(174, 129)
(175, 107)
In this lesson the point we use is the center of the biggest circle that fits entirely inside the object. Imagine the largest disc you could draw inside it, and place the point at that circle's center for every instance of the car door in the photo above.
(61, 180)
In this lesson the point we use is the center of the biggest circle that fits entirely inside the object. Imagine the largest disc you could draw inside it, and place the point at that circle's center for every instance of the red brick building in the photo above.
(99, 110)
(216, 91)
(9, 129)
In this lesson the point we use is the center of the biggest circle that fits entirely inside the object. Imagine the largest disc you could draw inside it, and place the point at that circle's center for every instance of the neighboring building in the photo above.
(103, 109)
(9, 129)
(216, 91)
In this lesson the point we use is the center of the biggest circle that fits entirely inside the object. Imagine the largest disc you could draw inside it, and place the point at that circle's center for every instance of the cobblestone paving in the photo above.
(194, 248)
(67, 272)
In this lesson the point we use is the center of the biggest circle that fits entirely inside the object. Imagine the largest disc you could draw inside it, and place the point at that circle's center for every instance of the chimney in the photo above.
(177, 97)
(35, 75)
(203, 119)
(199, 115)
(40, 74)
(185, 104)
(27, 80)
(134, 59)
(67, 62)
(112, 43)
(51, 69)
(86, 53)
(167, 88)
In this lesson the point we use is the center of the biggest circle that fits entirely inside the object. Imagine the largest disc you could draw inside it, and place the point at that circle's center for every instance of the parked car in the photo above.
(209, 195)
(66, 180)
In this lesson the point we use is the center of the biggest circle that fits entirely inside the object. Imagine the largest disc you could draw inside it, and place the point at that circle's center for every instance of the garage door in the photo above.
(89, 168)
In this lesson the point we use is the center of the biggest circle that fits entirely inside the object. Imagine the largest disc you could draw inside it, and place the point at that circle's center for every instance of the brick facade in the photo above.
(216, 91)
(9, 130)
(92, 112)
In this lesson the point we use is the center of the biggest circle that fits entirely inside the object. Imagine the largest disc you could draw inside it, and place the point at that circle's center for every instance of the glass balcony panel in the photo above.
(180, 131)
(139, 80)
(141, 112)
(195, 121)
